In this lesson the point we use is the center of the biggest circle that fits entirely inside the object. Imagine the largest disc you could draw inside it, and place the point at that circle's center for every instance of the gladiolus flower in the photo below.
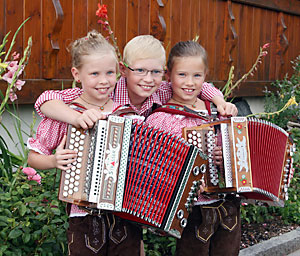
(102, 11)
(29, 171)
(19, 83)
(264, 53)
(15, 55)
(265, 46)
(12, 96)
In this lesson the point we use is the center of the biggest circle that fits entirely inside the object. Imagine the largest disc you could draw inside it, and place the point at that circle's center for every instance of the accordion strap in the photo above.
(185, 111)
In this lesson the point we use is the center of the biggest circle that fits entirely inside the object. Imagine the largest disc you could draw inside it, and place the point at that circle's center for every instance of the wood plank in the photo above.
(144, 17)
(287, 6)
(132, 19)
(120, 21)
(63, 61)
(14, 18)
(32, 28)
(175, 22)
(185, 24)
(79, 19)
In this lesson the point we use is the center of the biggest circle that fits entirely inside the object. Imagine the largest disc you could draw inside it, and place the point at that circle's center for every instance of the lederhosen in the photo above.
(213, 229)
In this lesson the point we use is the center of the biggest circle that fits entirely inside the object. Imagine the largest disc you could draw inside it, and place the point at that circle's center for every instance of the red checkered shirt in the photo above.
(160, 97)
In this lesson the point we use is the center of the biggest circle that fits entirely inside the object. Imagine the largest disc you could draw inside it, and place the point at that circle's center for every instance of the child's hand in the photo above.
(88, 118)
(201, 188)
(64, 157)
(218, 156)
(227, 109)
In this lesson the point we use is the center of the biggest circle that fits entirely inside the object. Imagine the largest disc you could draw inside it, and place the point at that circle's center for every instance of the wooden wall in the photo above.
(231, 31)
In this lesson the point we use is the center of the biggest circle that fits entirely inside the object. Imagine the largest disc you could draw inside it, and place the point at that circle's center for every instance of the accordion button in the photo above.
(183, 222)
(70, 191)
(199, 145)
(196, 170)
(203, 168)
(78, 165)
(190, 135)
(79, 159)
(71, 186)
(72, 174)
(194, 132)
(81, 142)
(80, 154)
(81, 148)
(72, 135)
(82, 136)
(73, 129)
(65, 194)
(71, 147)
(67, 182)
(180, 214)
(72, 180)
(194, 137)
(199, 139)
(76, 144)
(66, 188)
(72, 141)
(73, 168)
(78, 133)
(198, 134)
(77, 138)
(190, 141)
(68, 171)
(76, 189)
(76, 183)
(67, 176)
(77, 171)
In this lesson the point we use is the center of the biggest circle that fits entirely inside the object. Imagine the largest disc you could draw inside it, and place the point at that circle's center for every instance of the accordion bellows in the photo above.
(143, 174)
(257, 158)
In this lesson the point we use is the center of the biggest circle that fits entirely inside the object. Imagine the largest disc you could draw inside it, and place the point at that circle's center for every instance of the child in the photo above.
(95, 65)
(214, 225)
(140, 86)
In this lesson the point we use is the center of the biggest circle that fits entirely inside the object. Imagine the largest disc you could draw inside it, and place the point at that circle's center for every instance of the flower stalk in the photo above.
(103, 20)
(291, 101)
(230, 86)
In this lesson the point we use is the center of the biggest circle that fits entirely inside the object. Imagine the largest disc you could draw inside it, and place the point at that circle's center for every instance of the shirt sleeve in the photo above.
(67, 96)
(48, 136)
(209, 91)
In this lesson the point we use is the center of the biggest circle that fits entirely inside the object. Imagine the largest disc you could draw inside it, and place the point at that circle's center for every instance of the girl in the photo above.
(94, 64)
(214, 225)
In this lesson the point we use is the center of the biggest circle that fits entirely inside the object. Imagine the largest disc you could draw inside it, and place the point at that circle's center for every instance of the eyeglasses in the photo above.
(144, 72)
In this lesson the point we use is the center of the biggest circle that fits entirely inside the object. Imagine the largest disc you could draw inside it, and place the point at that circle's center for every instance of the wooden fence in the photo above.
(231, 31)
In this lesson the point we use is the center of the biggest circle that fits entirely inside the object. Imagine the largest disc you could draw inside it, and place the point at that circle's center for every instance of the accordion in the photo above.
(257, 158)
(142, 174)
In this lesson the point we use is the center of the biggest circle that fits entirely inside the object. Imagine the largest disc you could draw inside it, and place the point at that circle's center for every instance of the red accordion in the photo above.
(257, 158)
(143, 174)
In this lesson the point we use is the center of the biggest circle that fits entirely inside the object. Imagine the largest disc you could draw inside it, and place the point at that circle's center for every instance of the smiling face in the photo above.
(187, 76)
(98, 77)
(142, 87)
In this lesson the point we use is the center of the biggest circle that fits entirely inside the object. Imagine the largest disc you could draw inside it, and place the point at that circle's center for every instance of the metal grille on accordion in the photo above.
(257, 158)
(143, 174)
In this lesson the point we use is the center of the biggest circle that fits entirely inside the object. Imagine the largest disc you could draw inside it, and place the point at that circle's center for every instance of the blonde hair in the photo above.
(91, 44)
(144, 47)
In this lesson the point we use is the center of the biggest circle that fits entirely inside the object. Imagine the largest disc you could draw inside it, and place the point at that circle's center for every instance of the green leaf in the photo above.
(56, 211)
(15, 233)
(22, 209)
(26, 237)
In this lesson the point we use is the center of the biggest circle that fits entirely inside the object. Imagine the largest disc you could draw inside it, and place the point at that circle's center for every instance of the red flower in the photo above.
(266, 46)
(239, 126)
(102, 11)
(244, 182)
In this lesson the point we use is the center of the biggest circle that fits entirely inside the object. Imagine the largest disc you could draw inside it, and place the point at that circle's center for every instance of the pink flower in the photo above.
(32, 174)
(19, 83)
(29, 171)
(12, 66)
(264, 53)
(36, 177)
(12, 96)
(15, 55)
(265, 46)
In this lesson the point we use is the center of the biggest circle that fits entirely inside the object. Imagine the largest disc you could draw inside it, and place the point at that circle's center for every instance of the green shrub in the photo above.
(32, 220)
